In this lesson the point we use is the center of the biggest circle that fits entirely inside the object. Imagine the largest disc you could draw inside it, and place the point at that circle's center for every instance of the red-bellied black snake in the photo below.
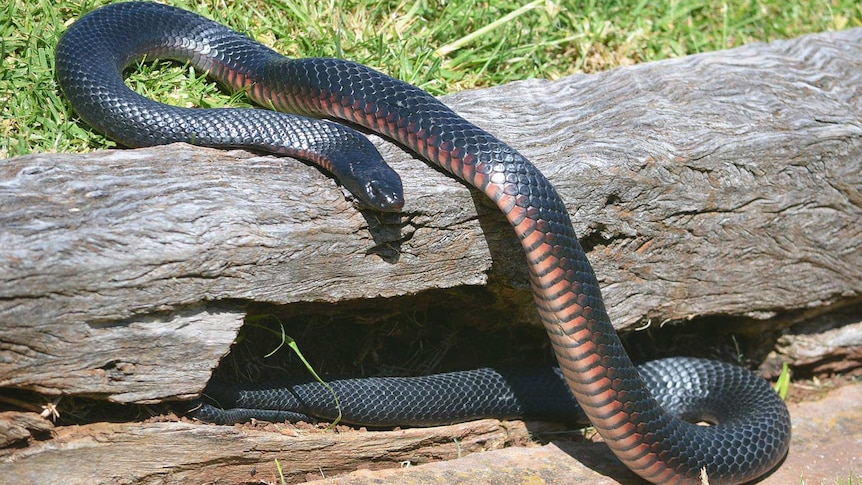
(752, 433)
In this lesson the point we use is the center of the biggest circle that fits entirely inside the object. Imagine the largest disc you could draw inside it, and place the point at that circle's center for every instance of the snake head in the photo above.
(383, 194)
(366, 175)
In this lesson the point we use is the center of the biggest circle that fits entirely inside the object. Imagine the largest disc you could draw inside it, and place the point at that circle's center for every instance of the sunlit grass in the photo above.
(439, 46)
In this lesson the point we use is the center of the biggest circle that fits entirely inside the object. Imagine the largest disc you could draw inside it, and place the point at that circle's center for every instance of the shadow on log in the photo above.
(727, 183)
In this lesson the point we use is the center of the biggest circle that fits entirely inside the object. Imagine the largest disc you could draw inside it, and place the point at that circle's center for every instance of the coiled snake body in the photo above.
(752, 432)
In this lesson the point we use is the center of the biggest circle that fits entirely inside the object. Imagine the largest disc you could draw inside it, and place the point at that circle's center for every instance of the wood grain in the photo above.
(191, 453)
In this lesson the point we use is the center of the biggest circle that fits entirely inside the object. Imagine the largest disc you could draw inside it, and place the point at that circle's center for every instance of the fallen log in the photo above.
(727, 183)
(177, 452)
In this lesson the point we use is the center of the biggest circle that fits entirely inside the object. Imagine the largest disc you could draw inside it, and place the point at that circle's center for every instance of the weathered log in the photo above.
(723, 183)
(178, 452)
(22, 427)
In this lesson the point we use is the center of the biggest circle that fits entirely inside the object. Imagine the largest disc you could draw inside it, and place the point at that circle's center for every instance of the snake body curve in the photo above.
(752, 433)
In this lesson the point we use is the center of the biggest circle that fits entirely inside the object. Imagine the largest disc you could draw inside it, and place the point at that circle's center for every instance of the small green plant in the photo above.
(280, 472)
(285, 339)
(782, 384)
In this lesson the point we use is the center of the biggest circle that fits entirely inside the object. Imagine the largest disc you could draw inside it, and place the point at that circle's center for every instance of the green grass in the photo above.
(440, 46)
